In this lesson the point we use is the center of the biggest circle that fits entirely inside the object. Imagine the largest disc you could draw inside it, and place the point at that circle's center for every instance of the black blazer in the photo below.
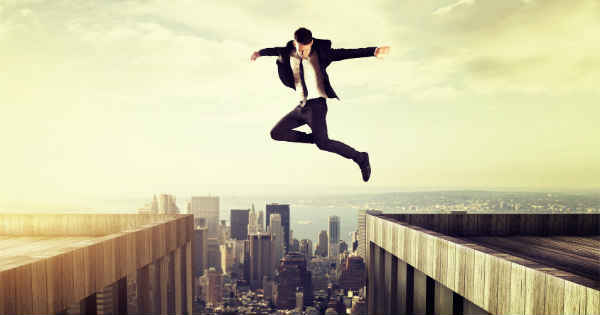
(326, 56)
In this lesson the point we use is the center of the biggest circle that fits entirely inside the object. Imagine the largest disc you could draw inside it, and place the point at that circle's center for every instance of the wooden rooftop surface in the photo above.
(16, 251)
(579, 255)
(50, 261)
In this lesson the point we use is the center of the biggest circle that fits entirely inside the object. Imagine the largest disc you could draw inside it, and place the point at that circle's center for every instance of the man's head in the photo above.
(303, 40)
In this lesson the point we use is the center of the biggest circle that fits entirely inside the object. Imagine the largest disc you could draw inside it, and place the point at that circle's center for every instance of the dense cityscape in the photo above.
(255, 265)
(251, 262)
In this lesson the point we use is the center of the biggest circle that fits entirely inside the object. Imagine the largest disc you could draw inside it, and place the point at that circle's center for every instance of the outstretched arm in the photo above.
(274, 51)
(338, 54)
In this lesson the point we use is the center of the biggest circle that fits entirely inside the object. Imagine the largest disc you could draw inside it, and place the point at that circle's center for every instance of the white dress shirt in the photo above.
(312, 76)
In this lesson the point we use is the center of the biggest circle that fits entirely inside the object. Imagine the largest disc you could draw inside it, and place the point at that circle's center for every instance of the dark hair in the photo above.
(303, 36)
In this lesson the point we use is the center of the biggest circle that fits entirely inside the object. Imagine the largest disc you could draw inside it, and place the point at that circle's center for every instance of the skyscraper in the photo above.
(212, 287)
(323, 245)
(276, 231)
(260, 221)
(199, 252)
(213, 253)
(306, 248)
(239, 224)
(353, 274)
(227, 256)
(166, 204)
(260, 258)
(252, 227)
(206, 207)
(284, 211)
(334, 235)
(294, 245)
(293, 274)
(362, 231)
(224, 232)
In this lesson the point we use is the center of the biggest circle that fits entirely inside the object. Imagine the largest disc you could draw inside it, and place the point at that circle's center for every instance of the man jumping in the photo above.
(302, 65)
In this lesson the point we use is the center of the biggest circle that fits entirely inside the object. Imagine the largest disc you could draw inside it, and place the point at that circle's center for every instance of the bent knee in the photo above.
(322, 143)
(275, 134)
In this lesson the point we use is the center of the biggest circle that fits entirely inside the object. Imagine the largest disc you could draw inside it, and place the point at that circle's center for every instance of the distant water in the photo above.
(306, 220)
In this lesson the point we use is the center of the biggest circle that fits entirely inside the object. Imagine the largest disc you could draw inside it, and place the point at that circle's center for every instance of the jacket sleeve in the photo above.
(275, 51)
(337, 54)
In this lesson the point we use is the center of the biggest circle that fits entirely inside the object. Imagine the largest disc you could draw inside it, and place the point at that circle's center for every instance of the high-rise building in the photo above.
(276, 231)
(246, 271)
(260, 258)
(354, 248)
(294, 245)
(260, 221)
(268, 288)
(362, 231)
(293, 276)
(343, 246)
(252, 219)
(323, 245)
(224, 232)
(213, 253)
(353, 275)
(200, 251)
(239, 224)
(334, 236)
(206, 207)
(164, 204)
(306, 248)
(227, 256)
(284, 211)
(212, 287)
(238, 248)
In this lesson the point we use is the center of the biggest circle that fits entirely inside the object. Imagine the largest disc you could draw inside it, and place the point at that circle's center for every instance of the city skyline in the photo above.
(127, 95)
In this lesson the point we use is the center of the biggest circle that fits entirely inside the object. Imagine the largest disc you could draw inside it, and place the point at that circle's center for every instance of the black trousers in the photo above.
(313, 114)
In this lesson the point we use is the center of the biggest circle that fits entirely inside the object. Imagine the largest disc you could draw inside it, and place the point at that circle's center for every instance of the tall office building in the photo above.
(343, 246)
(293, 275)
(284, 211)
(323, 245)
(276, 231)
(212, 287)
(260, 258)
(334, 236)
(252, 219)
(214, 253)
(306, 248)
(353, 274)
(238, 248)
(164, 204)
(239, 224)
(362, 231)
(206, 207)
(227, 256)
(224, 232)
(294, 245)
(167, 205)
(200, 250)
(260, 221)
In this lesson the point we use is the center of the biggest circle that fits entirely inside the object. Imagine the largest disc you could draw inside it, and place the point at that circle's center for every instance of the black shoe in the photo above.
(365, 167)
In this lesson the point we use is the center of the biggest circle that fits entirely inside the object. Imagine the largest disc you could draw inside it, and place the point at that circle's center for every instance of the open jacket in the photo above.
(326, 56)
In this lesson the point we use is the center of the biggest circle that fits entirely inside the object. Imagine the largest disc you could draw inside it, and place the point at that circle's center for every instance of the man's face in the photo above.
(303, 50)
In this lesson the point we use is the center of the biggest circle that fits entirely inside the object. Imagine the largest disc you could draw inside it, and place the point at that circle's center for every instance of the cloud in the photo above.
(447, 9)
(155, 91)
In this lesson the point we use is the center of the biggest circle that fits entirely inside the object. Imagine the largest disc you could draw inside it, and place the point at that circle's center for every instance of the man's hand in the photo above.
(254, 56)
(381, 51)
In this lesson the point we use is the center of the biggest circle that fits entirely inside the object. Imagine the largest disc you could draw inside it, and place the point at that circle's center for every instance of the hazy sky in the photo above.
(116, 97)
